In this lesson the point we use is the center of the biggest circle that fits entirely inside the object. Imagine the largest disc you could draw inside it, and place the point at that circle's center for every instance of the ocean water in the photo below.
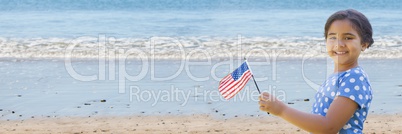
(44, 29)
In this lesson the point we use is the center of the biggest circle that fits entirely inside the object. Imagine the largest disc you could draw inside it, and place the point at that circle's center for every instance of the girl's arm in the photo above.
(339, 112)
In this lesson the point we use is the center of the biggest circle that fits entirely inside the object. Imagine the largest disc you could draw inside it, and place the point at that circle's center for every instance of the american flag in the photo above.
(231, 84)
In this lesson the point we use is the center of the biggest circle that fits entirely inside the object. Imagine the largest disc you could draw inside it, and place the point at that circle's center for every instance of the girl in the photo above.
(343, 100)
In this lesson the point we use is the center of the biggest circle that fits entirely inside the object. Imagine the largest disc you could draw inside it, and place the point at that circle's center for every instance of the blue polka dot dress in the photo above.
(353, 84)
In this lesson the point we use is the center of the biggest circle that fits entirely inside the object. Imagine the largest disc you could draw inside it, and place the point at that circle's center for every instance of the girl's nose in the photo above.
(340, 43)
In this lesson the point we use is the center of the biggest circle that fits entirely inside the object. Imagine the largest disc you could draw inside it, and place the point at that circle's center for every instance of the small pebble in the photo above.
(19, 95)
(306, 99)
(87, 103)
(216, 111)
(102, 100)
(291, 103)
(12, 112)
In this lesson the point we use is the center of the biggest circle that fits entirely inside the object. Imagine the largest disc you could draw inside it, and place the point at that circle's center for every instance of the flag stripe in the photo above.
(224, 81)
(229, 85)
(233, 84)
(240, 86)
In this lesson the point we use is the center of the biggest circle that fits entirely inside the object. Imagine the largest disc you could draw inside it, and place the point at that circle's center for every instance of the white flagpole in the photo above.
(252, 75)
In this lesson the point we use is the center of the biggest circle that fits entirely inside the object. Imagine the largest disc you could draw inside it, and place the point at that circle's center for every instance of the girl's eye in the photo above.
(348, 38)
(332, 38)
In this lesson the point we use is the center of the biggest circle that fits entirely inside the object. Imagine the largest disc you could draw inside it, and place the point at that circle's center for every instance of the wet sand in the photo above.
(376, 123)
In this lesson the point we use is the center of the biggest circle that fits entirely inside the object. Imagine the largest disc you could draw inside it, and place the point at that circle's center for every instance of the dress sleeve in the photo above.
(353, 85)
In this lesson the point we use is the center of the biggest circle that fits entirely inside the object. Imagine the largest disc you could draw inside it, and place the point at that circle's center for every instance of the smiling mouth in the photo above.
(341, 53)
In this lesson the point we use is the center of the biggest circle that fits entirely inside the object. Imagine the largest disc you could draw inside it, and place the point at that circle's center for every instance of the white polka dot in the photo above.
(363, 106)
(356, 122)
(343, 84)
(347, 126)
(364, 113)
(361, 78)
(325, 110)
(367, 97)
(368, 104)
(328, 88)
(355, 131)
(319, 100)
(364, 88)
(352, 97)
(321, 104)
(317, 95)
(338, 93)
(357, 114)
(357, 87)
(347, 90)
(348, 70)
(346, 75)
(316, 110)
(332, 94)
(326, 99)
(360, 96)
(333, 83)
(315, 104)
(357, 71)
(352, 80)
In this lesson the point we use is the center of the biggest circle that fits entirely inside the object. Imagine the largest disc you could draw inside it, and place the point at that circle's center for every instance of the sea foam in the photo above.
(185, 47)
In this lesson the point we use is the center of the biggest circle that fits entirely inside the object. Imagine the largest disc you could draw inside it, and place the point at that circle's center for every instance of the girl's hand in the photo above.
(271, 104)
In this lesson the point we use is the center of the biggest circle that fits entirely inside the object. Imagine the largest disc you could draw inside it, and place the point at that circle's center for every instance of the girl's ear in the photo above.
(364, 46)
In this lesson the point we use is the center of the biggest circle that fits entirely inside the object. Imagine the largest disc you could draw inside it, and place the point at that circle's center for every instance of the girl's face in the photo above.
(343, 43)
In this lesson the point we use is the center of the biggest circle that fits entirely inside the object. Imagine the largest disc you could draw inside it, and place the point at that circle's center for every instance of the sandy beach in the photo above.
(179, 124)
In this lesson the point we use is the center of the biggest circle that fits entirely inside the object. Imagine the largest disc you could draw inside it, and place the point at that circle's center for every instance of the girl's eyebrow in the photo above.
(331, 33)
(343, 34)
(349, 34)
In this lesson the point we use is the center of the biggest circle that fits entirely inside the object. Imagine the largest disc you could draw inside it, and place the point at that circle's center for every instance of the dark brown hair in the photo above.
(359, 23)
